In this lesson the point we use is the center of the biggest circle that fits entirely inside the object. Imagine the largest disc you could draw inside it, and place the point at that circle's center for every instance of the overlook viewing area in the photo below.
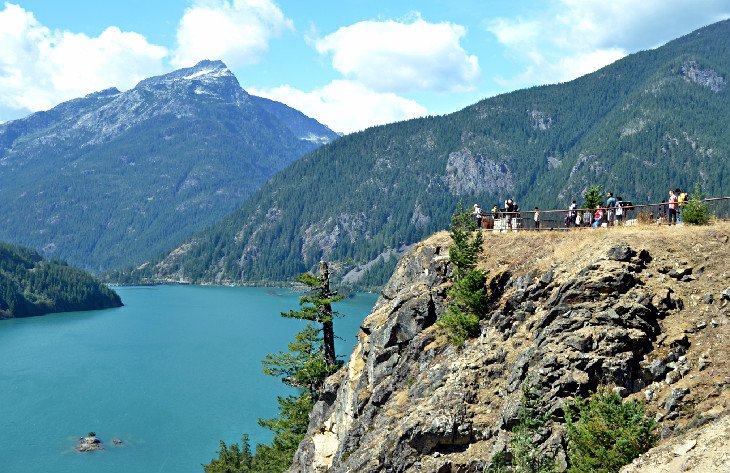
(564, 219)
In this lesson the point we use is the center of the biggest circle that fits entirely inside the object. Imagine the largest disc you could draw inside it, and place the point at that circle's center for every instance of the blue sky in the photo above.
(349, 63)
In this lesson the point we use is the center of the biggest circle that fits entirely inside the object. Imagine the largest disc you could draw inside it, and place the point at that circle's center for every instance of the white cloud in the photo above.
(40, 68)
(237, 31)
(346, 106)
(392, 56)
(631, 24)
(581, 36)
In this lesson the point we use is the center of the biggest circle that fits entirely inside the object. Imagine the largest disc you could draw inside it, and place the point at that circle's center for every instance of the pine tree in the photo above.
(316, 306)
(531, 428)
(467, 297)
(605, 433)
(233, 459)
(467, 244)
(593, 197)
(303, 365)
(696, 211)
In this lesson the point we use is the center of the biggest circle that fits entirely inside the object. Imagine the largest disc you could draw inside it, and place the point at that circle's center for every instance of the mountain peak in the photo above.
(204, 70)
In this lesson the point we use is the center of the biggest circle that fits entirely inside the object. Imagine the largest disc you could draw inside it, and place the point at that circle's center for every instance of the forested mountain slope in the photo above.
(117, 177)
(30, 285)
(652, 120)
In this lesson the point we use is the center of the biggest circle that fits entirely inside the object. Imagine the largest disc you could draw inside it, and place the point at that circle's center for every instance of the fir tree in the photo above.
(593, 197)
(233, 459)
(316, 306)
(605, 433)
(696, 211)
(531, 429)
(303, 365)
(467, 297)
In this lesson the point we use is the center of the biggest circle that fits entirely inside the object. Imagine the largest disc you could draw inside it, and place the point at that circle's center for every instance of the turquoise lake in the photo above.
(171, 373)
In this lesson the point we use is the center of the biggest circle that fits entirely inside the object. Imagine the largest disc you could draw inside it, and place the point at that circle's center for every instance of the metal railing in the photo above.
(564, 219)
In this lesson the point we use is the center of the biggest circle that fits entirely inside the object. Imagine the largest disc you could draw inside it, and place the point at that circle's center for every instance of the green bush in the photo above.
(528, 455)
(605, 433)
(459, 325)
(696, 211)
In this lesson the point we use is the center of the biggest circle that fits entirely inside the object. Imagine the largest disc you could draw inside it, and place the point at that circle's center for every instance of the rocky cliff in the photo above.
(642, 310)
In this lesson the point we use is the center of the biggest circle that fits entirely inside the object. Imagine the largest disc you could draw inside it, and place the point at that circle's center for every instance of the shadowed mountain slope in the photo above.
(652, 120)
(116, 177)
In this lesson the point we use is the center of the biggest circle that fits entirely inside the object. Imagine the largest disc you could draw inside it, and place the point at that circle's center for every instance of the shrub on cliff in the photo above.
(468, 296)
(605, 433)
(529, 456)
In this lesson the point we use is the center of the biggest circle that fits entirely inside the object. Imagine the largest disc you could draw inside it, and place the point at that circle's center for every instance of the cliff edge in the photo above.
(643, 310)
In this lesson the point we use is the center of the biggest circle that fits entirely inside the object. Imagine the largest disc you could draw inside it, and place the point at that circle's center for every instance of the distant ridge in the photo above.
(114, 178)
(652, 120)
(30, 285)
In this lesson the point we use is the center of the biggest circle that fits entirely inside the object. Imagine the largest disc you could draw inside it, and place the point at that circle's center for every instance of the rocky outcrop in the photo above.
(703, 76)
(469, 173)
(408, 401)
(90, 443)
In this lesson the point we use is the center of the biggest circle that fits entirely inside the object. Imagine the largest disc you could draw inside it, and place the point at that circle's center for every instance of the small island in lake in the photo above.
(31, 285)
(92, 443)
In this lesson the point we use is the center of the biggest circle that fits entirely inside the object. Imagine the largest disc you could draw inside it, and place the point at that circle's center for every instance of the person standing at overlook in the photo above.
(619, 211)
(610, 210)
(672, 208)
(478, 215)
(572, 214)
(682, 198)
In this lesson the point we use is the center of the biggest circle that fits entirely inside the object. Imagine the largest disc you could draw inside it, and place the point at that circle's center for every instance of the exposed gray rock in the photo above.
(675, 395)
(655, 370)
(621, 253)
(407, 401)
(471, 174)
(703, 76)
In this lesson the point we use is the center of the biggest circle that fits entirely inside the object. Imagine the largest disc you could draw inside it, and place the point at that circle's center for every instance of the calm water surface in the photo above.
(171, 373)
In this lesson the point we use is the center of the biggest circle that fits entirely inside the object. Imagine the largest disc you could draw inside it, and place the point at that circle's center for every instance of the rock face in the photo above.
(705, 450)
(408, 401)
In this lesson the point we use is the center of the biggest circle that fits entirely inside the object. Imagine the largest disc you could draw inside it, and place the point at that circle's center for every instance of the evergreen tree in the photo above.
(310, 359)
(467, 244)
(696, 211)
(593, 197)
(303, 365)
(316, 306)
(233, 459)
(467, 296)
(605, 433)
(531, 429)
